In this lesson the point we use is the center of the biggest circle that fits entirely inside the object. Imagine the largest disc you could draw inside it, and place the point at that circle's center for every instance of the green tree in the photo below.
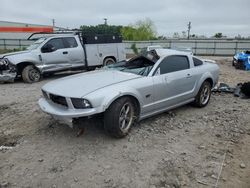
(141, 30)
(218, 35)
(134, 48)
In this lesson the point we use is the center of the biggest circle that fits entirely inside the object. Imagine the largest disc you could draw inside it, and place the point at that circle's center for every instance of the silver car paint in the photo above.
(155, 93)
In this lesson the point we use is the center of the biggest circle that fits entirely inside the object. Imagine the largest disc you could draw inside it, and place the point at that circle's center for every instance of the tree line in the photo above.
(139, 31)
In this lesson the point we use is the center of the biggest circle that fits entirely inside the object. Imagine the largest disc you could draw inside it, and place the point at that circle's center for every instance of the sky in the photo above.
(230, 17)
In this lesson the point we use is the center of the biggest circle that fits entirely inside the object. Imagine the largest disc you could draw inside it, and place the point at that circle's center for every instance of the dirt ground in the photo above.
(185, 147)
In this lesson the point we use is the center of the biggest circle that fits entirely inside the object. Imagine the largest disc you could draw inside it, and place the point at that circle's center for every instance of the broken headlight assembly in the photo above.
(4, 64)
(81, 103)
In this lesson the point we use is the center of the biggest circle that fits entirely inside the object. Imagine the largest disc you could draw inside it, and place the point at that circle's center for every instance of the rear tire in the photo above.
(108, 61)
(203, 96)
(30, 74)
(119, 117)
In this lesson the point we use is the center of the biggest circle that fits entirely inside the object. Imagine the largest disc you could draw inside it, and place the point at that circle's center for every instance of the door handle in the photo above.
(188, 76)
(65, 52)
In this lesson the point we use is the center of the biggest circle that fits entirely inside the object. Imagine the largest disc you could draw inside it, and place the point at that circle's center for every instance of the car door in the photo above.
(54, 56)
(74, 51)
(172, 81)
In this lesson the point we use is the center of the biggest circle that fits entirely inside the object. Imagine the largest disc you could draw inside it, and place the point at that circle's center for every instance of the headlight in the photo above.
(81, 103)
(4, 62)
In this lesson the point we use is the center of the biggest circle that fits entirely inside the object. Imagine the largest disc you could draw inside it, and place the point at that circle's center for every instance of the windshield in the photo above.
(139, 65)
(36, 44)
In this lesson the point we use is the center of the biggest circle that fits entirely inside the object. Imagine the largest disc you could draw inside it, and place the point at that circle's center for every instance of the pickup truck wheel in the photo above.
(30, 74)
(119, 117)
(203, 96)
(108, 61)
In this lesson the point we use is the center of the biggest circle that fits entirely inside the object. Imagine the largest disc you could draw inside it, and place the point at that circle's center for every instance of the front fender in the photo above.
(97, 98)
(26, 57)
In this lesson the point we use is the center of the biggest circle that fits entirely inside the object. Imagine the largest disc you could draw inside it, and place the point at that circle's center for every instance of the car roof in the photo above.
(61, 35)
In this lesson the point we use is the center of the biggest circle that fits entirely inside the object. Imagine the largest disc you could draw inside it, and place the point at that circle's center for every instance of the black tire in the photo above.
(237, 66)
(233, 63)
(202, 98)
(116, 123)
(108, 61)
(30, 74)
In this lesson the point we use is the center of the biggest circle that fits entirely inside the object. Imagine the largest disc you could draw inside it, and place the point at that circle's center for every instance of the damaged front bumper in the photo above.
(7, 76)
(7, 71)
(66, 115)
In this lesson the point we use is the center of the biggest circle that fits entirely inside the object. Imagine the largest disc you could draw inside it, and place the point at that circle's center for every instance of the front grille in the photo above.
(45, 95)
(58, 100)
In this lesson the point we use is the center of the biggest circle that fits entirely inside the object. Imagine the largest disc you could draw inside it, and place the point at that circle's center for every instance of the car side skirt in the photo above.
(165, 109)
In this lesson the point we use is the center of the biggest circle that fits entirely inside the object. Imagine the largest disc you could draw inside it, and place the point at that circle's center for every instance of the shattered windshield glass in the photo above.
(140, 65)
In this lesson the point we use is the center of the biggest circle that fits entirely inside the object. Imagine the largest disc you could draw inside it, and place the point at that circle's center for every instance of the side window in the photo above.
(56, 43)
(174, 63)
(70, 42)
(197, 62)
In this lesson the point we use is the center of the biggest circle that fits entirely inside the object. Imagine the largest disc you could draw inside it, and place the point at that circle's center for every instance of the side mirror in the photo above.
(48, 48)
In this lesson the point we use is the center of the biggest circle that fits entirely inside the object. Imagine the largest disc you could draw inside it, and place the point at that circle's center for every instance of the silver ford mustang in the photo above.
(132, 90)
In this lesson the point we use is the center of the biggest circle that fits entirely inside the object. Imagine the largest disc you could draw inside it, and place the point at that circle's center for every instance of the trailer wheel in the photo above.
(30, 74)
(108, 61)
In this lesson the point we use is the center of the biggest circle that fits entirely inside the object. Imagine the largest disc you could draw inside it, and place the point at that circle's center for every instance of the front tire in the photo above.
(203, 96)
(119, 117)
(30, 74)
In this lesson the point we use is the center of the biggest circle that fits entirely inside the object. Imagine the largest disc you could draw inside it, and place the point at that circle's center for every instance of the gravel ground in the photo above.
(185, 147)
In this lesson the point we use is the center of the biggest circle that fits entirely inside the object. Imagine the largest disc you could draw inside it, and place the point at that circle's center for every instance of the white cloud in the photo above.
(207, 16)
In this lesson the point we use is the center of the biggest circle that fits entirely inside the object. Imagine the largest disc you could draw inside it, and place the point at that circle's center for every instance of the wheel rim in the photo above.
(205, 94)
(109, 62)
(34, 75)
(126, 117)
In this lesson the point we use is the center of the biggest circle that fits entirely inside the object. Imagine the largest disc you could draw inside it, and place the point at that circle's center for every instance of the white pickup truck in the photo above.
(59, 53)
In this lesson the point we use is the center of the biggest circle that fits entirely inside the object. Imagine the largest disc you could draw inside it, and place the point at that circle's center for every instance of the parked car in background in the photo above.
(132, 90)
(61, 52)
(242, 60)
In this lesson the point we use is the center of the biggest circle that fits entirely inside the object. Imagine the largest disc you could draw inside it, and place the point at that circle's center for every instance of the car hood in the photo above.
(13, 53)
(79, 85)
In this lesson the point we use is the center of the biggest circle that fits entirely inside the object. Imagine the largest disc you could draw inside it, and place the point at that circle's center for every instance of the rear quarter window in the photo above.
(197, 62)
